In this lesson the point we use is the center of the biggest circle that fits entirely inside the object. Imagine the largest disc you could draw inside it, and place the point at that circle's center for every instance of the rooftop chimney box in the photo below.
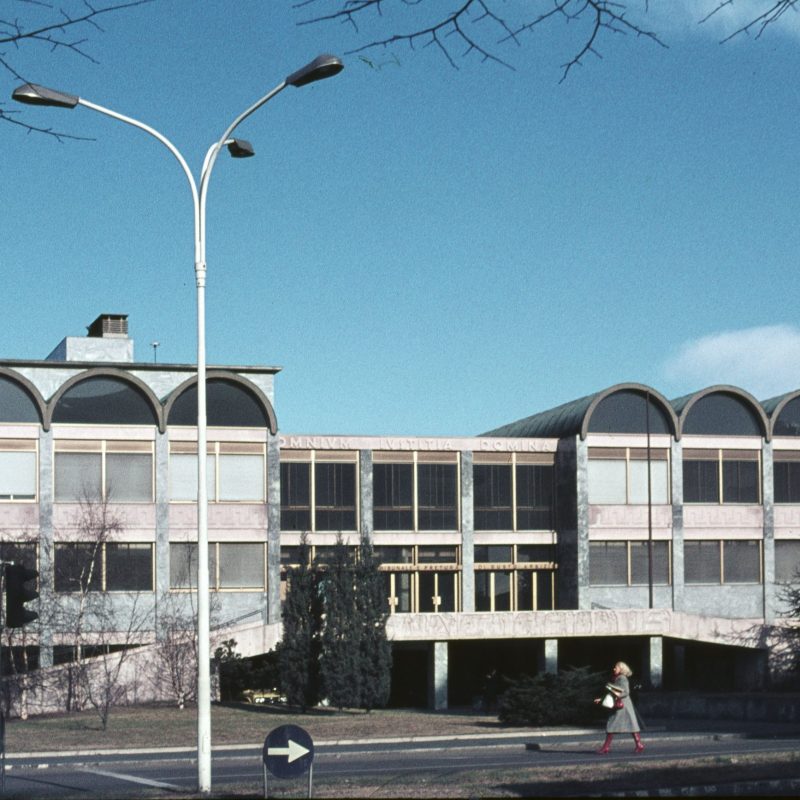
(106, 341)
(109, 325)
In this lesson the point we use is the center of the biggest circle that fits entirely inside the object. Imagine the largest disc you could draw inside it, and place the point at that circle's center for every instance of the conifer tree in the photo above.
(299, 650)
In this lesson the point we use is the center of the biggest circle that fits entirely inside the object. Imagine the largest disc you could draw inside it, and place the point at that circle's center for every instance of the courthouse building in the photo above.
(622, 525)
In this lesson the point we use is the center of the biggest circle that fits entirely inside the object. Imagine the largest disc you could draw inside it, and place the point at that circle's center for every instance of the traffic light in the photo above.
(17, 594)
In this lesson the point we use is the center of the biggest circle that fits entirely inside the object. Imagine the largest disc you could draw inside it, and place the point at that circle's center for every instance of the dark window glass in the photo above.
(608, 564)
(721, 414)
(16, 405)
(502, 591)
(626, 412)
(525, 588)
(742, 561)
(393, 554)
(129, 567)
(20, 553)
(335, 497)
(492, 497)
(437, 496)
(535, 497)
(447, 591)
(437, 555)
(787, 561)
(393, 497)
(295, 496)
(536, 553)
(640, 563)
(78, 567)
(545, 590)
(493, 554)
(290, 556)
(701, 481)
(788, 423)
(229, 405)
(483, 594)
(787, 481)
(701, 562)
(739, 481)
(105, 401)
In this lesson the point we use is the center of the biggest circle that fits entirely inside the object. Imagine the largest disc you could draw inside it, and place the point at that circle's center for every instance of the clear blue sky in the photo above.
(423, 250)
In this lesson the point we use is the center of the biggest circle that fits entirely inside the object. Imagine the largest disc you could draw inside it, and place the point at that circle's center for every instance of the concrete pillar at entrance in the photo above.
(437, 677)
(548, 656)
(655, 662)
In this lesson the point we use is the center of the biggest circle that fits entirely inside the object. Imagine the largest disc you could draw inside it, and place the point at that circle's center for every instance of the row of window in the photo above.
(718, 561)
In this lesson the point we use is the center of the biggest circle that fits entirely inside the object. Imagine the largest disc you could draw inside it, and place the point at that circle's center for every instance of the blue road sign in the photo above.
(288, 751)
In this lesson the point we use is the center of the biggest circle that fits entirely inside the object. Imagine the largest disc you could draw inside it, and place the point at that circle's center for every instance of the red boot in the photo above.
(606, 744)
(639, 746)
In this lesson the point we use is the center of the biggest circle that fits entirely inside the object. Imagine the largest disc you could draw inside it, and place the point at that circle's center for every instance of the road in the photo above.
(159, 773)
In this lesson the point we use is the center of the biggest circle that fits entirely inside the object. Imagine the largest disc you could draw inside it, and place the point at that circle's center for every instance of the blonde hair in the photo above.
(624, 669)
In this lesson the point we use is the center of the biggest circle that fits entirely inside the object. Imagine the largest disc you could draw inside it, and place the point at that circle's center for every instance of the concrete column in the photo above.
(676, 491)
(655, 662)
(582, 543)
(768, 492)
(548, 656)
(45, 545)
(161, 582)
(467, 534)
(365, 494)
(437, 676)
(273, 609)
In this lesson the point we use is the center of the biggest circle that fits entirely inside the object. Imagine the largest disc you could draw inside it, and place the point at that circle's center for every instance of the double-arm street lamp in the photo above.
(323, 66)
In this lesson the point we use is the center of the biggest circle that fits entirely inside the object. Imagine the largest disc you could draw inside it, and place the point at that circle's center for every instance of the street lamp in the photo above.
(324, 66)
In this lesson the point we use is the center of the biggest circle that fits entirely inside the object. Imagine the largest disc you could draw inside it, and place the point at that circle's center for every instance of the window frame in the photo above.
(24, 446)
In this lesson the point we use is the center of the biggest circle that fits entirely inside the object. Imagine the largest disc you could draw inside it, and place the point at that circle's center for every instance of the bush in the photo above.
(552, 699)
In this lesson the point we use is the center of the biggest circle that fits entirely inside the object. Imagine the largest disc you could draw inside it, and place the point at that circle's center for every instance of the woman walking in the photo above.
(624, 718)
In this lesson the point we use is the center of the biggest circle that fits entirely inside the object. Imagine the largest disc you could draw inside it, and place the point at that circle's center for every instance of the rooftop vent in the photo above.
(109, 326)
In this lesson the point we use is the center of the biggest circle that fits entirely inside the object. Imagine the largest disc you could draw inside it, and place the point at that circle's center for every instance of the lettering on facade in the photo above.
(420, 444)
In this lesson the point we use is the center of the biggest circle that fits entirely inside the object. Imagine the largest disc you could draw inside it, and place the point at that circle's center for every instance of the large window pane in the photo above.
(483, 591)
(787, 561)
(183, 477)
(241, 477)
(129, 567)
(659, 481)
(17, 475)
(77, 476)
(437, 495)
(701, 481)
(295, 496)
(241, 566)
(182, 565)
(742, 561)
(607, 481)
(787, 481)
(78, 567)
(335, 495)
(129, 477)
(739, 481)
(492, 497)
(701, 562)
(608, 564)
(640, 563)
(535, 497)
(392, 497)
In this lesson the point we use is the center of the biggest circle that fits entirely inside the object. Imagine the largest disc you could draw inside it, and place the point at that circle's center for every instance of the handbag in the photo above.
(618, 703)
(608, 701)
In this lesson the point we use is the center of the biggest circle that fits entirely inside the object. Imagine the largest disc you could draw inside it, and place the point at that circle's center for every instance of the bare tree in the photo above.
(482, 27)
(51, 29)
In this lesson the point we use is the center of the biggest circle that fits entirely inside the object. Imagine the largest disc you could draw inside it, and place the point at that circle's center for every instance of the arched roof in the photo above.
(136, 384)
(775, 407)
(223, 376)
(575, 417)
(683, 408)
(25, 386)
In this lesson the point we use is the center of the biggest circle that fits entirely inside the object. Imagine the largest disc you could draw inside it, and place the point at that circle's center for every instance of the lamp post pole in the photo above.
(323, 66)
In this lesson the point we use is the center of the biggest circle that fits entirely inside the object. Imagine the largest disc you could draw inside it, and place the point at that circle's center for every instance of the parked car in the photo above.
(262, 696)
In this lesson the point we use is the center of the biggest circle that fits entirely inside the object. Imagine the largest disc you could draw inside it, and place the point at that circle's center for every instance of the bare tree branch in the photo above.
(54, 35)
(759, 23)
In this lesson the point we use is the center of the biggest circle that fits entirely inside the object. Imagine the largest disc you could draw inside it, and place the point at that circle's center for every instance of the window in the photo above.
(17, 469)
(627, 563)
(319, 491)
(787, 561)
(235, 472)
(721, 476)
(420, 579)
(535, 491)
(19, 552)
(722, 561)
(628, 475)
(509, 578)
(437, 497)
(231, 565)
(103, 566)
(115, 471)
(393, 497)
(787, 476)
(492, 497)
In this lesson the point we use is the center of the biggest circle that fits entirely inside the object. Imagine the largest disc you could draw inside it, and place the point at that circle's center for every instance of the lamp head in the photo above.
(240, 148)
(324, 66)
(35, 95)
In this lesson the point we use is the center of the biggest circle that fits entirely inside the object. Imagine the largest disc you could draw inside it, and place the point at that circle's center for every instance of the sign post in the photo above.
(288, 753)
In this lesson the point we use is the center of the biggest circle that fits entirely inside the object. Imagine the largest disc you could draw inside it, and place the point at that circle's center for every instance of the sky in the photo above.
(423, 249)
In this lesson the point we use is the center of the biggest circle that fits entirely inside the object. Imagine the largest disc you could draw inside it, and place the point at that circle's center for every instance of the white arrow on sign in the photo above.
(294, 751)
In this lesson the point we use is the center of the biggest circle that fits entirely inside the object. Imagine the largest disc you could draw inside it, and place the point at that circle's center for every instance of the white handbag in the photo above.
(608, 701)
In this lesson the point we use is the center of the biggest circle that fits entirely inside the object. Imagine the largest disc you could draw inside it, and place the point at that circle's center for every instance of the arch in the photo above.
(739, 415)
(785, 416)
(19, 395)
(619, 409)
(246, 407)
(131, 403)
